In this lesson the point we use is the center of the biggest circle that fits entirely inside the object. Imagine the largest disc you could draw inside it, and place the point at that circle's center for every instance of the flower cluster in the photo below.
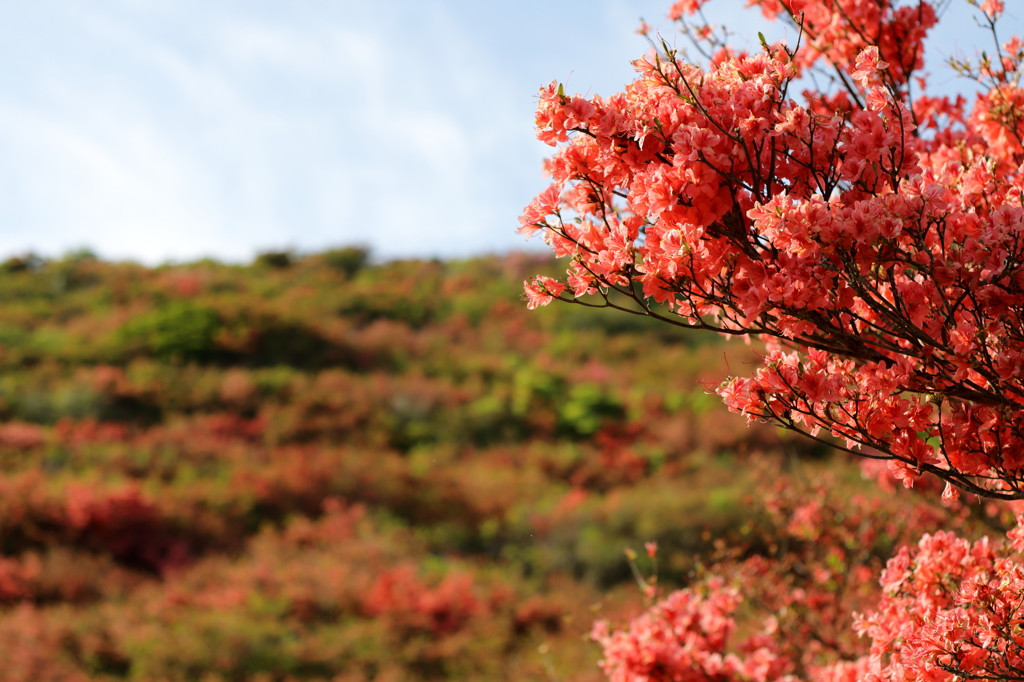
(684, 637)
(950, 609)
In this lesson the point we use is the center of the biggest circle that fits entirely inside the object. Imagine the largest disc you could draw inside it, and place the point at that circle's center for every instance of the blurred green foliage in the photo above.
(348, 260)
(178, 331)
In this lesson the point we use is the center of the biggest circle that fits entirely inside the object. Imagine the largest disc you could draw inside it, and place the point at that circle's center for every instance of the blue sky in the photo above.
(169, 130)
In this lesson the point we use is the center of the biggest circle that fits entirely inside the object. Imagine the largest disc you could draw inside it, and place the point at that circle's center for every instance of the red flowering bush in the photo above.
(888, 256)
(870, 235)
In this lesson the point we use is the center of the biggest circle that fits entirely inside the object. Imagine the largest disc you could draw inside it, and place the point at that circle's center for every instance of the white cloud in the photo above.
(263, 135)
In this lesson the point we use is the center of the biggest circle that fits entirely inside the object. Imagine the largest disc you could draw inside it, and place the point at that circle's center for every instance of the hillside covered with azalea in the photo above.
(324, 468)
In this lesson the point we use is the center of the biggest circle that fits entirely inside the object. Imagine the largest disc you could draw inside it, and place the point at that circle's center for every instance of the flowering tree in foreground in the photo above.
(872, 235)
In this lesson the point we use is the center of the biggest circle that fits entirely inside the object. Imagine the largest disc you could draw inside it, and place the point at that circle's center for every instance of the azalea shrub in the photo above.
(815, 196)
